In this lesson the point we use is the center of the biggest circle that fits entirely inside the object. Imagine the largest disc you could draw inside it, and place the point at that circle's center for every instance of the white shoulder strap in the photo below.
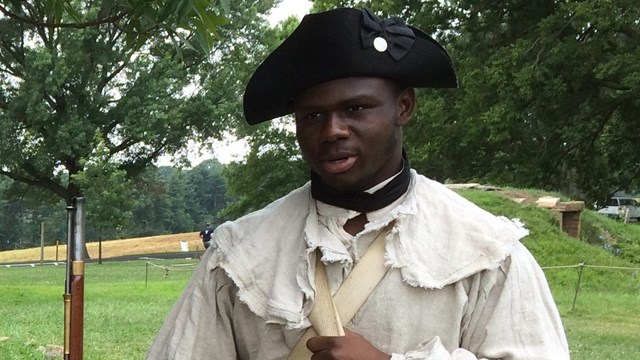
(324, 316)
(327, 312)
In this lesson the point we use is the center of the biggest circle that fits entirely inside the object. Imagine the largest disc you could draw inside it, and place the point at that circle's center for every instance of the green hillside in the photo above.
(603, 241)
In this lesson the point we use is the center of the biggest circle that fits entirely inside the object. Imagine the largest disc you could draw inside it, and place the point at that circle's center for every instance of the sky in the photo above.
(297, 8)
(233, 149)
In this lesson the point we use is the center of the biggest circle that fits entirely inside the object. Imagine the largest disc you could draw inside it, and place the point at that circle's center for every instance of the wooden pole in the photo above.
(41, 243)
(100, 248)
(575, 296)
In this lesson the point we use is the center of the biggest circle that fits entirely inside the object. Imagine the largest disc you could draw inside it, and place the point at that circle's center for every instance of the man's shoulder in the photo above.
(292, 201)
(436, 191)
(286, 209)
(449, 221)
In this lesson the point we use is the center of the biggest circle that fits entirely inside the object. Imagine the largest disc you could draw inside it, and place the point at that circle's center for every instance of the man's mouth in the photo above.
(338, 165)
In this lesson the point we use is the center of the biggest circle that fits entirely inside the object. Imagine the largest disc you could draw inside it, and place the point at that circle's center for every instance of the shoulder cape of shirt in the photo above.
(438, 238)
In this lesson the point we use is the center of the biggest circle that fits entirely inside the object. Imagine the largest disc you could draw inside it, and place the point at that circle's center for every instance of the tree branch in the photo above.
(134, 168)
(40, 30)
(125, 144)
(82, 25)
(39, 181)
(607, 84)
(583, 35)
(605, 114)
(109, 77)
(8, 69)
(629, 31)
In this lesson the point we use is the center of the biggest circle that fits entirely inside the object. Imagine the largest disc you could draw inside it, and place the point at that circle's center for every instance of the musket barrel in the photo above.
(71, 217)
(79, 230)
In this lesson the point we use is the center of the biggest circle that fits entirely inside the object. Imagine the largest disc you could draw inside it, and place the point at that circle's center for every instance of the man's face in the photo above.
(350, 130)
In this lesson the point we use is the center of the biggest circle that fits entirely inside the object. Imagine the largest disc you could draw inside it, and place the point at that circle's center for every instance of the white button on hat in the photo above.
(380, 44)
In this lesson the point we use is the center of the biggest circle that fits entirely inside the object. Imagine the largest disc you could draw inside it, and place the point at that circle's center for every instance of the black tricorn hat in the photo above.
(344, 43)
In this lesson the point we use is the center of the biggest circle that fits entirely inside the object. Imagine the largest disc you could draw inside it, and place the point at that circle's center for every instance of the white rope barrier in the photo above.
(589, 266)
(560, 267)
(612, 267)
(166, 268)
(176, 267)
(581, 266)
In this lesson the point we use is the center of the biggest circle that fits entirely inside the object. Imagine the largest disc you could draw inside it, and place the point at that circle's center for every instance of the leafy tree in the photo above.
(107, 84)
(555, 97)
(179, 197)
(151, 209)
(110, 188)
(272, 168)
(23, 210)
(10, 216)
(138, 20)
(209, 192)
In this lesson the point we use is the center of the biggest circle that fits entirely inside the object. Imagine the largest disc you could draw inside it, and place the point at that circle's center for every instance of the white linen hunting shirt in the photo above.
(459, 286)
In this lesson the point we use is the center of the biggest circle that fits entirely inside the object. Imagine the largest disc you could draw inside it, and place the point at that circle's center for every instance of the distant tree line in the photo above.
(163, 200)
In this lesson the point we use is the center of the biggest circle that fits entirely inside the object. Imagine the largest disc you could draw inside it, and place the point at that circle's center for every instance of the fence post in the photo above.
(575, 297)
(42, 243)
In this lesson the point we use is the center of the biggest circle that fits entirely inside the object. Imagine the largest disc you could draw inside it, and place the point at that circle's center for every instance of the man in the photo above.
(205, 235)
(457, 284)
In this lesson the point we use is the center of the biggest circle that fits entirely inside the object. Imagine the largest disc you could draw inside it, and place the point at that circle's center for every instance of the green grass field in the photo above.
(122, 315)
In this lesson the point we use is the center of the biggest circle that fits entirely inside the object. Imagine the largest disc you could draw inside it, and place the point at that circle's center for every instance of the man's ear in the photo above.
(406, 105)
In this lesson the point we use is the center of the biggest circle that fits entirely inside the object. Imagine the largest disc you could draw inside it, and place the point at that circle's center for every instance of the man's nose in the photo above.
(335, 128)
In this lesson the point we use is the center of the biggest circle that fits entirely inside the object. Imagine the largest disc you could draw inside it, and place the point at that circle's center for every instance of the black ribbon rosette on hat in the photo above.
(398, 36)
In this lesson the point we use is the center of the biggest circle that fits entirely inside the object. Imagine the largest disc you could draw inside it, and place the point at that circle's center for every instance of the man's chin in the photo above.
(344, 184)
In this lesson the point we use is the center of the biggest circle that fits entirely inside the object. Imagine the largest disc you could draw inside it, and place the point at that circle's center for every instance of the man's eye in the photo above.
(356, 108)
(311, 116)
